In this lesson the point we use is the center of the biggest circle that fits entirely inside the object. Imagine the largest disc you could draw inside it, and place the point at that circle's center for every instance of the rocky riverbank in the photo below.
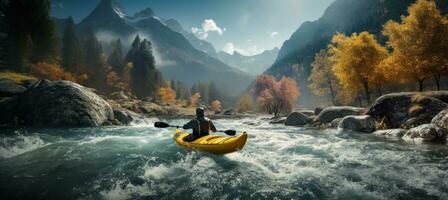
(44, 103)
(410, 115)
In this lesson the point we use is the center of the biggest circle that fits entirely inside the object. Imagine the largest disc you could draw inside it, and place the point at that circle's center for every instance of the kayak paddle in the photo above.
(166, 125)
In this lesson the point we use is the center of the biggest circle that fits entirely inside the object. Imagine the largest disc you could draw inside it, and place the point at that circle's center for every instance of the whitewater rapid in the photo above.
(278, 162)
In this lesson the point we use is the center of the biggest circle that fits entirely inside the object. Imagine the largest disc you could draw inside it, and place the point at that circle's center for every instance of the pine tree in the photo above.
(71, 50)
(213, 92)
(146, 79)
(96, 67)
(31, 34)
(116, 60)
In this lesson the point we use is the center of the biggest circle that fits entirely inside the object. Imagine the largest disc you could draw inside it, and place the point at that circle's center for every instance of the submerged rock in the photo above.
(62, 103)
(335, 123)
(279, 120)
(364, 123)
(391, 132)
(10, 88)
(427, 133)
(296, 119)
(397, 108)
(328, 114)
(125, 117)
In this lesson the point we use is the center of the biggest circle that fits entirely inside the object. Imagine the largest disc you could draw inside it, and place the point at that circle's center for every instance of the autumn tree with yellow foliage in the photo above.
(216, 106)
(194, 99)
(245, 103)
(167, 95)
(322, 79)
(355, 59)
(419, 43)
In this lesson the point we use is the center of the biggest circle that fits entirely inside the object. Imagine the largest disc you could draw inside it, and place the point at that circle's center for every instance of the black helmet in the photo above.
(200, 112)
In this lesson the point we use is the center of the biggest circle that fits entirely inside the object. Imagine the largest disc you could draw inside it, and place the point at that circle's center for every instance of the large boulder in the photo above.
(364, 123)
(62, 104)
(10, 88)
(391, 132)
(8, 107)
(397, 108)
(441, 119)
(296, 119)
(427, 133)
(328, 114)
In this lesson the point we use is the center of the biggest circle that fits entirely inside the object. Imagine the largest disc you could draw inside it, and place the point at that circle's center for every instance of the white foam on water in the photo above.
(19, 144)
(128, 191)
(99, 139)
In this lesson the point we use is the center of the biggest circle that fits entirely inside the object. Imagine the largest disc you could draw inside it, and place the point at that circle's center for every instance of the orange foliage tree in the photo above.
(276, 97)
(194, 99)
(52, 72)
(216, 106)
(167, 94)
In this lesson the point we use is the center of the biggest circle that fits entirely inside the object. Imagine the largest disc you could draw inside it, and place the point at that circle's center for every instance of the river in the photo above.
(278, 162)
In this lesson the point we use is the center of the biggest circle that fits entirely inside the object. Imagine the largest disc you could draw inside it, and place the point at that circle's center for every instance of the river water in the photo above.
(278, 162)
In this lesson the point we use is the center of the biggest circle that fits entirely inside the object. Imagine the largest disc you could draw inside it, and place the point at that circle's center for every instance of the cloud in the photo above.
(208, 26)
(249, 40)
(230, 48)
(273, 34)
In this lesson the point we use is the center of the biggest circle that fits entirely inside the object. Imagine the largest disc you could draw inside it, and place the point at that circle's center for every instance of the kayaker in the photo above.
(201, 126)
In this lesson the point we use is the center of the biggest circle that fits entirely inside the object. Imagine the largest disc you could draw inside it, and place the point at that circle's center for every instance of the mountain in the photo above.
(253, 65)
(107, 16)
(175, 56)
(196, 42)
(344, 16)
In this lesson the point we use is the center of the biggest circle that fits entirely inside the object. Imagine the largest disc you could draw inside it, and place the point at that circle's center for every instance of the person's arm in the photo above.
(190, 125)
(212, 126)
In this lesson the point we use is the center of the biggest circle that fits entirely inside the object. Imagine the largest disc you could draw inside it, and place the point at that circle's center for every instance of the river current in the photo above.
(278, 162)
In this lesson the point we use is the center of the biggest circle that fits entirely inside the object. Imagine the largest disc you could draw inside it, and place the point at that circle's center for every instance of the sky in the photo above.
(248, 26)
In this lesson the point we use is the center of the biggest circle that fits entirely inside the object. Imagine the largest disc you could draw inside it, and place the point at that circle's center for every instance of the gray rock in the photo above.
(279, 120)
(391, 132)
(427, 133)
(296, 119)
(328, 114)
(364, 123)
(230, 111)
(10, 88)
(62, 104)
(397, 108)
(119, 96)
(416, 121)
(441, 119)
(335, 123)
(308, 113)
(317, 110)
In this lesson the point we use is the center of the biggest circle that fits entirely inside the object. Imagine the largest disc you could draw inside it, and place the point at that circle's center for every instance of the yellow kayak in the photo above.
(212, 143)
